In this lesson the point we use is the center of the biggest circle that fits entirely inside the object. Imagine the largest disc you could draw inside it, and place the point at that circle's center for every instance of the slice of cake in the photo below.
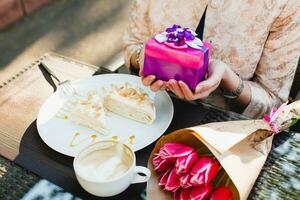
(131, 102)
(87, 111)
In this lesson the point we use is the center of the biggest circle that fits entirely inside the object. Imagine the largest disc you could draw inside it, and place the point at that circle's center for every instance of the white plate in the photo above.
(58, 133)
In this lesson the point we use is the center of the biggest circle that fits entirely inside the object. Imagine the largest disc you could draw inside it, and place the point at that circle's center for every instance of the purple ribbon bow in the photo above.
(180, 37)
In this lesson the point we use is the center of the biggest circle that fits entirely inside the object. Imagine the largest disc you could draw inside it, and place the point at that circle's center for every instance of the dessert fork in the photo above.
(66, 85)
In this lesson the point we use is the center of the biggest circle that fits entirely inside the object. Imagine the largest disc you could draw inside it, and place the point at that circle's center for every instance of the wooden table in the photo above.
(33, 154)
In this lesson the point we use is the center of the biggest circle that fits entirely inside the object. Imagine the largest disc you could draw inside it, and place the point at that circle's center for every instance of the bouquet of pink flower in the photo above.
(216, 161)
(186, 174)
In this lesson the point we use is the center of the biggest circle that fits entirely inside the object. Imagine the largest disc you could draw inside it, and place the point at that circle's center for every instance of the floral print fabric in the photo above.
(258, 39)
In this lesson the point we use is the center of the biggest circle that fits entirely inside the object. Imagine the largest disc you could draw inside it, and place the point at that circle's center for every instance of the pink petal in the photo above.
(175, 149)
(212, 172)
(163, 178)
(204, 170)
(184, 163)
(185, 193)
(185, 181)
(221, 193)
(275, 112)
(173, 182)
(197, 179)
(273, 116)
(176, 194)
(164, 165)
(201, 192)
(274, 128)
(267, 118)
(202, 164)
(156, 160)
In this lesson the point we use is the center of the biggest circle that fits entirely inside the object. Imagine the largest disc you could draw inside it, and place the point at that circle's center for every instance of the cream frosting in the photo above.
(131, 102)
(87, 111)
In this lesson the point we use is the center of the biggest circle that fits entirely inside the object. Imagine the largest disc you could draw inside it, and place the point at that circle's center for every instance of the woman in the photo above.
(256, 45)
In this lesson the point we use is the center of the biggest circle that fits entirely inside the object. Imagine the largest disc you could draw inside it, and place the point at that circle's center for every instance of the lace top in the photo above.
(260, 40)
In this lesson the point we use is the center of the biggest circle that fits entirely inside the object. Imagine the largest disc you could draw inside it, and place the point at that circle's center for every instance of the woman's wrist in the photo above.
(231, 82)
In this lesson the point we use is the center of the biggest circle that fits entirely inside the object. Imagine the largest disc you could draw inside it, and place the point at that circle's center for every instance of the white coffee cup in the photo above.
(104, 186)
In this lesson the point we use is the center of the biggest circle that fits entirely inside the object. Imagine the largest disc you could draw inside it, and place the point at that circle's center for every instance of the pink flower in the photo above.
(167, 155)
(184, 163)
(201, 192)
(203, 171)
(163, 178)
(185, 181)
(221, 193)
(182, 194)
(174, 150)
(173, 182)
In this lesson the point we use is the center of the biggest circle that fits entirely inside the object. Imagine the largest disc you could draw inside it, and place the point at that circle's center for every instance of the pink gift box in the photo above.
(180, 63)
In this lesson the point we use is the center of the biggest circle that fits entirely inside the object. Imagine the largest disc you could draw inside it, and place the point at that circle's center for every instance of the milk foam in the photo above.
(105, 164)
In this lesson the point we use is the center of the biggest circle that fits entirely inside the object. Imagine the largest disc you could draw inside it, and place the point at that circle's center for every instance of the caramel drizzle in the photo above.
(129, 91)
(131, 139)
(74, 144)
(114, 137)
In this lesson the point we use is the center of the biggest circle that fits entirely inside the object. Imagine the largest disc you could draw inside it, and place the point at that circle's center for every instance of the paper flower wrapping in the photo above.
(230, 154)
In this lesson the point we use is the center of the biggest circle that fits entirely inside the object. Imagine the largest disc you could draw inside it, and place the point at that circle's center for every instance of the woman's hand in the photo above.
(154, 84)
(216, 73)
(150, 81)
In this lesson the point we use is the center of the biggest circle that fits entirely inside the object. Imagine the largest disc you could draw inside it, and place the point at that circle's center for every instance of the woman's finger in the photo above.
(156, 85)
(206, 93)
(169, 86)
(210, 89)
(188, 94)
(148, 80)
(207, 84)
(164, 86)
(176, 88)
(202, 95)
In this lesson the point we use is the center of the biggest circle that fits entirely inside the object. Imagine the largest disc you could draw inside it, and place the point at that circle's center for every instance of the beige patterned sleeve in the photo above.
(276, 68)
(138, 29)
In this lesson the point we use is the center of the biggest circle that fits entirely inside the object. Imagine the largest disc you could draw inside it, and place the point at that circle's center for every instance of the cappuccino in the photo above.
(106, 162)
